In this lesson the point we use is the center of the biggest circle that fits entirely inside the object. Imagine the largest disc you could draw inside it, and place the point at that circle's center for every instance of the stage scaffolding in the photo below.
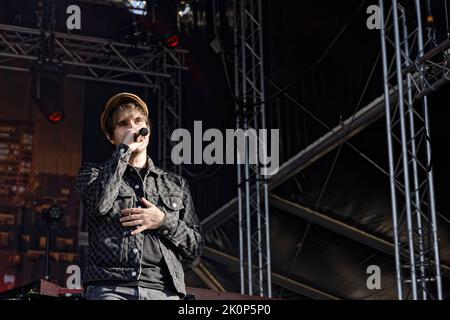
(419, 67)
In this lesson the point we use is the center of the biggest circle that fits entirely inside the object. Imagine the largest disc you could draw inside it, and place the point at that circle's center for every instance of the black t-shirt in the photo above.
(155, 273)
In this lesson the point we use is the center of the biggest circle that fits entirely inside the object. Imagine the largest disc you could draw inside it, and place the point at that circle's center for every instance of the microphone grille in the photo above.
(143, 131)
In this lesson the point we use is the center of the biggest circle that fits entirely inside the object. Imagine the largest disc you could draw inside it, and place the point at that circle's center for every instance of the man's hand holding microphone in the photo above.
(134, 139)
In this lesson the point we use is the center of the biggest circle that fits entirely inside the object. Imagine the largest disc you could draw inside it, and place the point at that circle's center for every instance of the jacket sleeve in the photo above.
(185, 233)
(99, 186)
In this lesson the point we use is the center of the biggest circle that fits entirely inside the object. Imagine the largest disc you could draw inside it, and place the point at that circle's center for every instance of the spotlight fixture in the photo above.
(52, 214)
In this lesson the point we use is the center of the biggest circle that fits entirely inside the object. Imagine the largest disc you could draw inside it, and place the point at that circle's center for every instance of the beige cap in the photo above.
(120, 99)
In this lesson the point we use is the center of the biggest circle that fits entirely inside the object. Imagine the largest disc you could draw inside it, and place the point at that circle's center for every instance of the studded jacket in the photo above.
(114, 254)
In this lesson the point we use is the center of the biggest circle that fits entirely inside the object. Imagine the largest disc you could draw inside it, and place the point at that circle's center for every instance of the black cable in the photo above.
(283, 90)
(300, 245)
(321, 58)
(328, 49)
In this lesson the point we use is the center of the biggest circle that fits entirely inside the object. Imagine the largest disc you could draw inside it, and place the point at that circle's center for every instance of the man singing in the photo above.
(141, 219)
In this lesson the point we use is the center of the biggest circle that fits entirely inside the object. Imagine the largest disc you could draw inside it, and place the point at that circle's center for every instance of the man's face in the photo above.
(130, 120)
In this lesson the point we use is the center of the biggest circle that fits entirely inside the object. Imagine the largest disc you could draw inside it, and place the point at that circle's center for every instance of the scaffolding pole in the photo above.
(253, 195)
(409, 150)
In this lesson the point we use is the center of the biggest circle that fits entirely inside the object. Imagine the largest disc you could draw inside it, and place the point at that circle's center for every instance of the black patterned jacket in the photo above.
(114, 254)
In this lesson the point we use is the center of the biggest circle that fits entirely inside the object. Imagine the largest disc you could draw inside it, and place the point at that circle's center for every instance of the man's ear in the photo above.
(109, 139)
(149, 127)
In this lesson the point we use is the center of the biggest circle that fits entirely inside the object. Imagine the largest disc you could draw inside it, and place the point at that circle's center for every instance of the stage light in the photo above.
(137, 7)
(185, 11)
(165, 24)
(55, 116)
(172, 41)
(48, 90)
(52, 214)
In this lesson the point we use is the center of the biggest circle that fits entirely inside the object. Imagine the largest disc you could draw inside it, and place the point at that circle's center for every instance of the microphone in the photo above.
(142, 132)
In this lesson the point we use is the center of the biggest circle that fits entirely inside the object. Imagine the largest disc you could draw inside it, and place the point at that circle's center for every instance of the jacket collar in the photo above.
(151, 167)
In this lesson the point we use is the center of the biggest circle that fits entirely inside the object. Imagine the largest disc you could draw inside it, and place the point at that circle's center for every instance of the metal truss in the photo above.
(96, 59)
(91, 58)
(169, 116)
(415, 73)
(278, 279)
(337, 226)
(350, 127)
(436, 75)
(254, 235)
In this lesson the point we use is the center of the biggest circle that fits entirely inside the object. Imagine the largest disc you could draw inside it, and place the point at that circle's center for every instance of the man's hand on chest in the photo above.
(148, 218)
